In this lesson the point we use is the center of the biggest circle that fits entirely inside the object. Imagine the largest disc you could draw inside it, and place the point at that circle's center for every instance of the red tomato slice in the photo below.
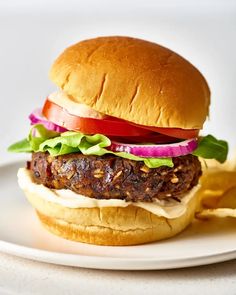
(107, 126)
(175, 132)
(114, 127)
(151, 138)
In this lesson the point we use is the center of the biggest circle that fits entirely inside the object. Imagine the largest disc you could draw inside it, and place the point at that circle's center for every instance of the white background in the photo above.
(33, 33)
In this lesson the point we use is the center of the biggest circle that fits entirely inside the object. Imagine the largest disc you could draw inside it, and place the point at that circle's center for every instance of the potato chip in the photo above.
(210, 202)
(219, 212)
(218, 191)
(218, 180)
(228, 199)
(223, 206)
(211, 198)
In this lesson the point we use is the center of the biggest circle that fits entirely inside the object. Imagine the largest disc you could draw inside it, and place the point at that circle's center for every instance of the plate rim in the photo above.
(112, 263)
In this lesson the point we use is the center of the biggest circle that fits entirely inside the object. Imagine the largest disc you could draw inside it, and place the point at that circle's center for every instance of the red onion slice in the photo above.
(156, 150)
(36, 117)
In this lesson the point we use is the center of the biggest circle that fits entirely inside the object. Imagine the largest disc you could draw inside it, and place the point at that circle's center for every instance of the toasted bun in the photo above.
(110, 225)
(134, 80)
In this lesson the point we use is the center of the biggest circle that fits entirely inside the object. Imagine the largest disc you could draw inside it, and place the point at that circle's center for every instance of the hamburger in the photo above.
(115, 149)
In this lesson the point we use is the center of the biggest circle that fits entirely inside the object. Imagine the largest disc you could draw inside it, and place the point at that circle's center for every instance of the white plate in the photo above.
(21, 234)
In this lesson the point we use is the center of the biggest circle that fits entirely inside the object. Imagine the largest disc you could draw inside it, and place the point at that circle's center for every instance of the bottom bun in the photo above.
(114, 226)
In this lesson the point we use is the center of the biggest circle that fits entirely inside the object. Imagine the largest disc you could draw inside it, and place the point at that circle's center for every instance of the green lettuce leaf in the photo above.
(22, 146)
(211, 148)
(38, 134)
(42, 140)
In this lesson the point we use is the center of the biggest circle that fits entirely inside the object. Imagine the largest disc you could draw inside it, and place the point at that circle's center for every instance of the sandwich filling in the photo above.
(74, 108)
(112, 177)
(167, 208)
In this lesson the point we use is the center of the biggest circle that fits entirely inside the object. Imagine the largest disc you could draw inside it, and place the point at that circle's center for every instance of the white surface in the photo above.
(26, 277)
(33, 33)
(202, 243)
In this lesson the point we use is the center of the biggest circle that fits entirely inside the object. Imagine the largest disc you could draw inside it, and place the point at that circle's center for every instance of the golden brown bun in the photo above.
(135, 80)
(110, 225)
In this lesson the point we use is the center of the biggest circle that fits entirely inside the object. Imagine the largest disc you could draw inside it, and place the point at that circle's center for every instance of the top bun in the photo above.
(134, 80)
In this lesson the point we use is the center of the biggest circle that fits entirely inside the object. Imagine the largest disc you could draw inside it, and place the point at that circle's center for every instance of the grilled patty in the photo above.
(111, 177)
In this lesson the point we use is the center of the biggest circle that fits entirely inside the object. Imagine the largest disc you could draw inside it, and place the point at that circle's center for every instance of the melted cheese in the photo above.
(70, 199)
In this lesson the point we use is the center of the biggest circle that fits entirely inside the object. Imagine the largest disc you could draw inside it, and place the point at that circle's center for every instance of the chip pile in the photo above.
(218, 190)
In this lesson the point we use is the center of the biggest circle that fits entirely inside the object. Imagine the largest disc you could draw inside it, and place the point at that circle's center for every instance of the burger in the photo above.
(115, 149)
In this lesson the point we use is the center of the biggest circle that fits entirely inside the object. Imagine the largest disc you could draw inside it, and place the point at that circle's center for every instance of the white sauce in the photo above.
(74, 108)
(70, 199)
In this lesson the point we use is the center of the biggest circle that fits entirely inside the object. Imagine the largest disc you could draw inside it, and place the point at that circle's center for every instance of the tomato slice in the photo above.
(174, 132)
(150, 138)
(107, 126)
(114, 127)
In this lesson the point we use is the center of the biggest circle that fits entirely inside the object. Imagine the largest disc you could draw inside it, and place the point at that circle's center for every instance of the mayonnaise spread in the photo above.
(74, 108)
(67, 198)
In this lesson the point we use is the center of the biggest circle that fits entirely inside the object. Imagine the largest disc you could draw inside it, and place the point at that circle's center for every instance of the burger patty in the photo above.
(112, 177)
